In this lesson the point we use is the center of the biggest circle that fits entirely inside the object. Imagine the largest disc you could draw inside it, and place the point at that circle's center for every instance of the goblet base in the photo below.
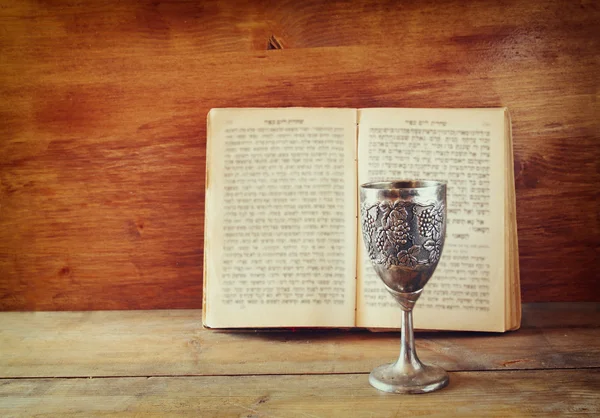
(390, 378)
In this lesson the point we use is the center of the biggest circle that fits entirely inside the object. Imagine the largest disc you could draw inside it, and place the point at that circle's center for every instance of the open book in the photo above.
(283, 246)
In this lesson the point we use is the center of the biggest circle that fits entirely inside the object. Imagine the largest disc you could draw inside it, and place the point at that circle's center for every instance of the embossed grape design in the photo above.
(381, 240)
(368, 226)
(426, 222)
(368, 231)
(387, 233)
(400, 232)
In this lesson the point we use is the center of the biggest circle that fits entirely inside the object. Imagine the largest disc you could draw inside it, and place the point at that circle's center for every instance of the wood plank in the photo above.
(523, 393)
(152, 343)
(103, 141)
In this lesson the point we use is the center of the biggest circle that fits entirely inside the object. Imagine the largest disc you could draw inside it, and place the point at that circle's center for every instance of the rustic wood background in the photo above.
(103, 133)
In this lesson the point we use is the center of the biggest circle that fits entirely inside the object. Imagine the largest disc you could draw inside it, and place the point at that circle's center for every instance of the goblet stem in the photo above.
(408, 374)
(408, 361)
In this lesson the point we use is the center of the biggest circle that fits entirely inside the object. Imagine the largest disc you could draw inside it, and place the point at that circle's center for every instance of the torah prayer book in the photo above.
(283, 245)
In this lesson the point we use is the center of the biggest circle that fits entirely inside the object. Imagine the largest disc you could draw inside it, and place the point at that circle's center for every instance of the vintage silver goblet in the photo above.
(404, 227)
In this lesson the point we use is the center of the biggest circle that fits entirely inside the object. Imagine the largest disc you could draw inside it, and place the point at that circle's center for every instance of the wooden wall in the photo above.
(103, 133)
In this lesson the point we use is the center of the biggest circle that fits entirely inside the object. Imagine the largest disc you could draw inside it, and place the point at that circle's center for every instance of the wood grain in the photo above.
(102, 126)
(160, 363)
(526, 393)
(173, 343)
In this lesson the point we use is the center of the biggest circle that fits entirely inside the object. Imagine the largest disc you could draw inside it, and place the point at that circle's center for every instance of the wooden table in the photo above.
(164, 363)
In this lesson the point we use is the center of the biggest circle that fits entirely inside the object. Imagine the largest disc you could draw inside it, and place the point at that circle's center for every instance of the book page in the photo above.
(280, 234)
(465, 148)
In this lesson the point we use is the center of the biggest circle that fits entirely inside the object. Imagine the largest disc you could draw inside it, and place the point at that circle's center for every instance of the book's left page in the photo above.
(280, 211)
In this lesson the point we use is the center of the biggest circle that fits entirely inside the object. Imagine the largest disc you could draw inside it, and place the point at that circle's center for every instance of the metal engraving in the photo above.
(403, 233)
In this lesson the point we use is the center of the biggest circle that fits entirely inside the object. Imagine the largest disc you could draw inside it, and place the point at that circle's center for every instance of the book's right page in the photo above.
(465, 148)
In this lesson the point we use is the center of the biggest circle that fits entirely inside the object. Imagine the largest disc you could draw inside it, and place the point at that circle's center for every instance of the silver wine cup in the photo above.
(404, 227)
